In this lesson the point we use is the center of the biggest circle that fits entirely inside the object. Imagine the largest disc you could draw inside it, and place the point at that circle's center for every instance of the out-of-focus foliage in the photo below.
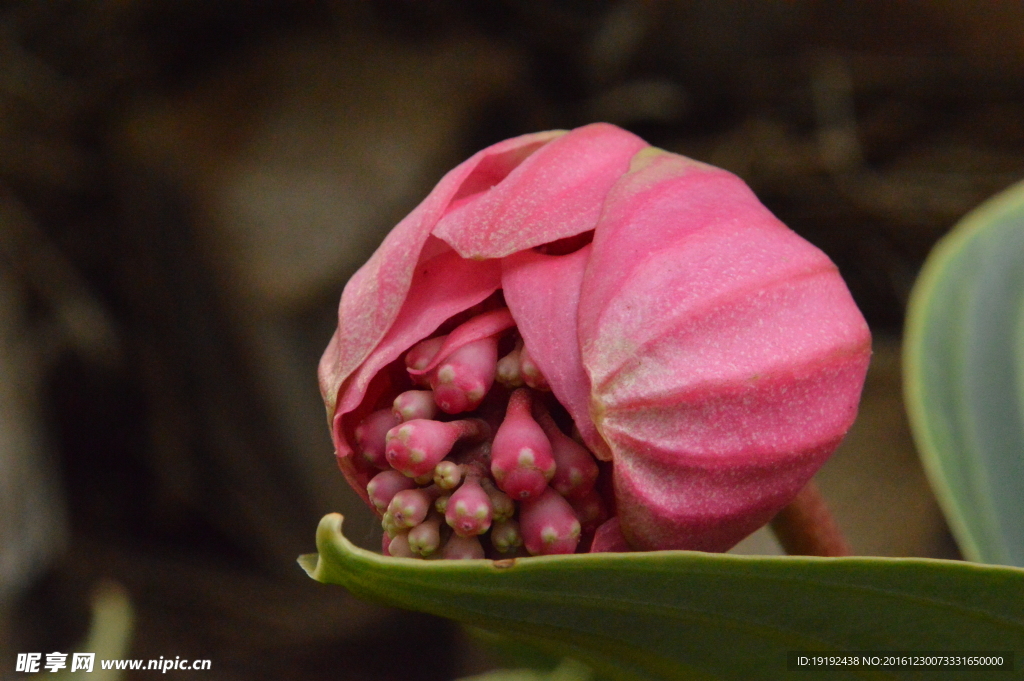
(964, 377)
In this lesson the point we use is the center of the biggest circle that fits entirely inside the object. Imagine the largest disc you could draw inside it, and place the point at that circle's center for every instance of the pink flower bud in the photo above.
(469, 511)
(521, 459)
(414, 404)
(384, 486)
(462, 548)
(549, 525)
(506, 536)
(416, 447)
(425, 538)
(575, 467)
(409, 507)
(509, 371)
(447, 475)
(398, 546)
(531, 373)
(709, 357)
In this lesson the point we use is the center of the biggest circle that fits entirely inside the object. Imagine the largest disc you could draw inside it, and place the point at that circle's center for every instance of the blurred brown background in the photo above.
(186, 185)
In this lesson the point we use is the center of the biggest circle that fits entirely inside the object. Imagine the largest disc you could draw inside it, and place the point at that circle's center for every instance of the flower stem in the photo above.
(807, 528)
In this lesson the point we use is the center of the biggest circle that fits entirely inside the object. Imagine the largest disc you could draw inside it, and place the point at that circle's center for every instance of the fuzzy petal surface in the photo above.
(725, 354)
(555, 193)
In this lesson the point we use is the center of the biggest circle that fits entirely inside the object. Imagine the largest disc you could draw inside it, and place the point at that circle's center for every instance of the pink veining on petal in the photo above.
(555, 193)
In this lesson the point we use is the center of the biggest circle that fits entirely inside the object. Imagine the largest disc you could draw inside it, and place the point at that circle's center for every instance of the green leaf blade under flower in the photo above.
(690, 615)
(964, 378)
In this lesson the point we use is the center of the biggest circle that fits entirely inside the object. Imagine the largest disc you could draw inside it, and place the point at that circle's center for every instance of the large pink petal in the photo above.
(725, 353)
(375, 294)
(555, 193)
(674, 492)
(543, 293)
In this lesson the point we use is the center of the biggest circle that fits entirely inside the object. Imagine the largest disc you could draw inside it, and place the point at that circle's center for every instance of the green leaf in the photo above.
(964, 377)
(690, 615)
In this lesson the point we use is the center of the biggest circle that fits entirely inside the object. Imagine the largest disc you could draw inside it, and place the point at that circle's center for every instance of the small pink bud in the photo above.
(549, 525)
(371, 434)
(447, 475)
(462, 379)
(506, 536)
(414, 404)
(384, 486)
(391, 528)
(532, 375)
(409, 507)
(425, 538)
(591, 510)
(509, 371)
(416, 447)
(462, 548)
(521, 459)
(575, 468)
(469, 510)
(399, 546)
(501, 503)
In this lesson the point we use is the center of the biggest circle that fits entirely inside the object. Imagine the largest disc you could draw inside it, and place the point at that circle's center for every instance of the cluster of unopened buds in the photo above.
(579, 342)
(473, 462)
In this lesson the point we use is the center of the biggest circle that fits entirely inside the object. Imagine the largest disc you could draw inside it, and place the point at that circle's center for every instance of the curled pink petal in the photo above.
(554, 193)
(485, 325)
(420, 356)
